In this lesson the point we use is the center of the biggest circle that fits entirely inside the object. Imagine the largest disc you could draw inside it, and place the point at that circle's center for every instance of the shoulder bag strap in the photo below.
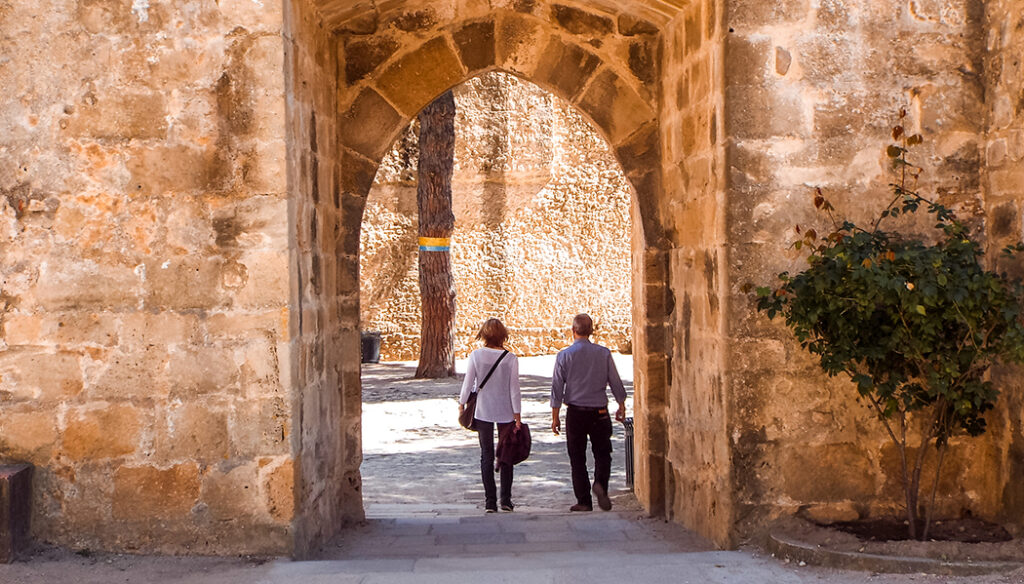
(493, 367)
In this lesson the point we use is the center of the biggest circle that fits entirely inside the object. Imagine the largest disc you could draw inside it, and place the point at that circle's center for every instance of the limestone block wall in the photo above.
(144, 278)
(811, 94)
(542, 226)
(324, 339)
(689, 461)
(1004, 197)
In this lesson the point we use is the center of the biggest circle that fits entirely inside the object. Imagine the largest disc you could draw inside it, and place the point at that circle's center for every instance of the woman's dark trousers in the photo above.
(595, 424)
(485, 430)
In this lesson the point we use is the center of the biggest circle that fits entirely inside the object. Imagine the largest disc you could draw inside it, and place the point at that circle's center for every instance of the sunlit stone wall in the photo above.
(542, 226)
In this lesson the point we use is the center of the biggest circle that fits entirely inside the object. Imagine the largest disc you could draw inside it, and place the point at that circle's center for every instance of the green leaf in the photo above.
(920, 310)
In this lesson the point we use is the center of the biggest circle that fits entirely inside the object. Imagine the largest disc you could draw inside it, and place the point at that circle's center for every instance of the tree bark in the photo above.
(436, 221)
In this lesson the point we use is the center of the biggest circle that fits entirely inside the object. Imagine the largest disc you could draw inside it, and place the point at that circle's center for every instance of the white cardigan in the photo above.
(500, 398)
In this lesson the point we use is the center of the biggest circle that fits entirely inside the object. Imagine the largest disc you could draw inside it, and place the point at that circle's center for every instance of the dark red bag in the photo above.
(513, 445)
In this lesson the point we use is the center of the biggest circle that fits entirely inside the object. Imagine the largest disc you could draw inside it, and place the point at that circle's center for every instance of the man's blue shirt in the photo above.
(582, 372)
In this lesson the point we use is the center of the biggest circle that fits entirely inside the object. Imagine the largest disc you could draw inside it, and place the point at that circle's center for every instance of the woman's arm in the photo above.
(469, 382)
(515, 393)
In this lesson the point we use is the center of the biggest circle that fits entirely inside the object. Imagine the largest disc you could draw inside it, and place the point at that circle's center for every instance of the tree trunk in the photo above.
(436, 222)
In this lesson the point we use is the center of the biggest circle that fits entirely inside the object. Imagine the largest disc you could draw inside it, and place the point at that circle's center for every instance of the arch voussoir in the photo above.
(419, 77)
(364, 125)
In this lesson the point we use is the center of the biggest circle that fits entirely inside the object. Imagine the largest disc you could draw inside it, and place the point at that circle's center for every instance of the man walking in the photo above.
(582, 372)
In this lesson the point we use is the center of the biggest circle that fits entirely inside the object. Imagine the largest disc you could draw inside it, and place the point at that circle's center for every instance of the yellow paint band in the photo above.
(434, 241)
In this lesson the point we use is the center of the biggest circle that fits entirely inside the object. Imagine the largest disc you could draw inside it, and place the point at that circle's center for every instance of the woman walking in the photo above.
(494, 372)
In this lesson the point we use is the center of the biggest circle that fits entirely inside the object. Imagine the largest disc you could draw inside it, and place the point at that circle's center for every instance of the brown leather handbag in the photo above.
(467, 419)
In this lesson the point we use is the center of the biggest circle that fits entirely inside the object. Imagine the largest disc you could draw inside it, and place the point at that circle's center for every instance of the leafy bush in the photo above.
(915, 325)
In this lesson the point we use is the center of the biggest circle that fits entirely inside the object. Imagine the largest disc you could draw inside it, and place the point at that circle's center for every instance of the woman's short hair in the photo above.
(583, 325)
(493, 333)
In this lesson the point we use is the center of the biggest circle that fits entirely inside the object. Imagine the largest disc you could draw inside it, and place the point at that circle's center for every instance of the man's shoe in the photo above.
(490, 508)
(508, 506)
(579, 507)
(602, 497)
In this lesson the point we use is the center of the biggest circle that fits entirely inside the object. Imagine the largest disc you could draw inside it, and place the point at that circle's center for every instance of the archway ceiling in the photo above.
(341, 14)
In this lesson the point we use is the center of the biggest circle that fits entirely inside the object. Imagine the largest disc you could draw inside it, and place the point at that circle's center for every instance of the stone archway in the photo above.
(359, 77)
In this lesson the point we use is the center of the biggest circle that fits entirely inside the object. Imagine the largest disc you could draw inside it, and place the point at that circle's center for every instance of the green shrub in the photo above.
(915, 325)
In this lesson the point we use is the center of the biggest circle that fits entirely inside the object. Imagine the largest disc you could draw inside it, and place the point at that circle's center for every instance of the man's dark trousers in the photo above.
(595, 424)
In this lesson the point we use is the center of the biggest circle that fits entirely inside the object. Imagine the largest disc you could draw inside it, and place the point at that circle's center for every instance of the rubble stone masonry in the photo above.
(542, 227)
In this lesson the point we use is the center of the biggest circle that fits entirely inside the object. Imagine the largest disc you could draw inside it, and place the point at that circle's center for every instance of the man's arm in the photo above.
(618, 390)
(557, 392)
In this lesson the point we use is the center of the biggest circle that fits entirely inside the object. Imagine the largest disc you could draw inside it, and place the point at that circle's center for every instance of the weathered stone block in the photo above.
(280, 489)
(231, 493)
(414, 20)
(582, 22)
(615, 107)
(130, 375)
(827, 472)
(642, 151)
(694, 30)
(565, 67)
(643, 61)
(15, 509)
(162, 169)
(125, 115)
(260, 428)
(366, 125)
(519, 39)
(193, 432)
(746, 60)
(93, 434)
(756, 113)
(28, 375)
(203, 370)
(259, 279)
(630, 25)
(421, 76)
(184, 283)
(28, 435)
(364, 55)
(149, 494)
(143, 329)
(85, 284)
(475, 43)
(750, 14)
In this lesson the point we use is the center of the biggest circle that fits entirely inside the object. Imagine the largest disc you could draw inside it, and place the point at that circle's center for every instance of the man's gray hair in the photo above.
(583, 325)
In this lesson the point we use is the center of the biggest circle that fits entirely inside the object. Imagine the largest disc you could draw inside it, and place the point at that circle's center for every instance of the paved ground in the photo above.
(415, 452)
(425, 522)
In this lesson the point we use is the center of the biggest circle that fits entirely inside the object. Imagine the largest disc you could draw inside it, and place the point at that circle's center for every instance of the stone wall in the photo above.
(1004, 199)
(812, 92)
(686, 423)
(324, 337)
(542, 226)
(183, 185)
(143, 275)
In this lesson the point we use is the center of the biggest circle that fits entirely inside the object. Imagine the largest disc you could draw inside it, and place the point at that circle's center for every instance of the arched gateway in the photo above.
(351, 102)
(181, 189)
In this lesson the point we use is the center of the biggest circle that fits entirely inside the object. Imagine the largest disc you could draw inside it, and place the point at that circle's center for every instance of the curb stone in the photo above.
(786, 547)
